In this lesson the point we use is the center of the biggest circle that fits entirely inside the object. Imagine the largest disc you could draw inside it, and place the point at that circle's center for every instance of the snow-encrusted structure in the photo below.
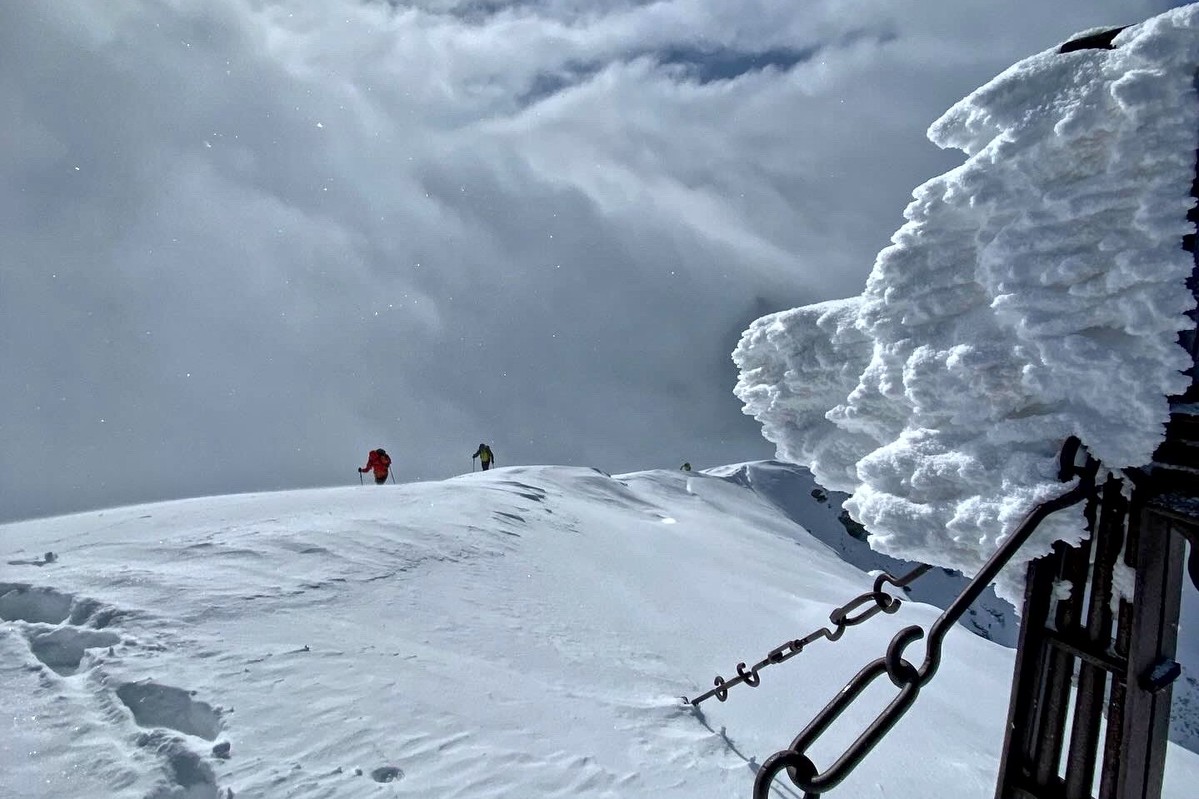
(1035, 292)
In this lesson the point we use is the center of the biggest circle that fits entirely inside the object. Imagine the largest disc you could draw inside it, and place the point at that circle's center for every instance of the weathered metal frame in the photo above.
(1151, 667)
(1076, 652)
(1119, 664)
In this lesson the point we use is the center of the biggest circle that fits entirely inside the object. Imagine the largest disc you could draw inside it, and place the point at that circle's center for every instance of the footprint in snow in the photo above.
(387, 774)
(185, 774)
(157, 705)
(58, 639)
(63, 648)
(23, 602)
(46, 610)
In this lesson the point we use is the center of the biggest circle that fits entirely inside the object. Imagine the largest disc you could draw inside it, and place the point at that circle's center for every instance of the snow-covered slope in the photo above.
(521, 633)
(796, 493)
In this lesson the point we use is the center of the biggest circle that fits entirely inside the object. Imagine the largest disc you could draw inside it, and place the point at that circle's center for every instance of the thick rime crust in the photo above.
(1036, 292)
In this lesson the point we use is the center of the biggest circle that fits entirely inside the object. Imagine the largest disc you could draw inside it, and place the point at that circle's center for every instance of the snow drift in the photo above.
(524, 632)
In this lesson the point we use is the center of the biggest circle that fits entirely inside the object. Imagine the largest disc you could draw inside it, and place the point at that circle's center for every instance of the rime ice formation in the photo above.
(1035, 292)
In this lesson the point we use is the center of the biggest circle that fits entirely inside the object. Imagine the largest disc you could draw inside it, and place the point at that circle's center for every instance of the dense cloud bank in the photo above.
(1035, 292)
(245, 241)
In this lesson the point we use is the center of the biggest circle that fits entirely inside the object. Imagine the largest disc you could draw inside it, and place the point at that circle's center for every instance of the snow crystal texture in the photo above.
(1035, 292)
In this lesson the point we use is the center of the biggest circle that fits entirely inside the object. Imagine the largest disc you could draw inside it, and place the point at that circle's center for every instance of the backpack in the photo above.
(383, 457)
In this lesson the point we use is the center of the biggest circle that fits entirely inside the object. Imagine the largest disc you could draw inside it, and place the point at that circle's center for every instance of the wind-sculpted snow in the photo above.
(1036, 292)
(527, 632)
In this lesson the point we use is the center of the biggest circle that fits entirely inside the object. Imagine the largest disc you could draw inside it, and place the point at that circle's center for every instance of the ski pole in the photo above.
(359, 478)
(393, 477)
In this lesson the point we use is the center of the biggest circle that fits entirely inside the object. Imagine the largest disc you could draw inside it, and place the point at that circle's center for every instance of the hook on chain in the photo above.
(850, 614)
(750, 678)
(902, 672)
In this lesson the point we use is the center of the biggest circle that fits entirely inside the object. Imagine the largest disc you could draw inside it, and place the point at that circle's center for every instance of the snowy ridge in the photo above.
(1036, 292)
(523, 632)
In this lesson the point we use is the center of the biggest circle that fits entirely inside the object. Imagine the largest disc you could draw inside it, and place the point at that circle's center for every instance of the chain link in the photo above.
(841, 619)
(909, 679)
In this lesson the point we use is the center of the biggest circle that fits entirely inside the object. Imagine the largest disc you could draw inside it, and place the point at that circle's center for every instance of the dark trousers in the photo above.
(380, 480)
(485, 464)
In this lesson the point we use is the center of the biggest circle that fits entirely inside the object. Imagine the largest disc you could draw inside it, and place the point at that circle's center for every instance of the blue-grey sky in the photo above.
(243, 242)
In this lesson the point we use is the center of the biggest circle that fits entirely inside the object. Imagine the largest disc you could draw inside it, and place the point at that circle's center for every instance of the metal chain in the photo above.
(909, 679)
(840, 618)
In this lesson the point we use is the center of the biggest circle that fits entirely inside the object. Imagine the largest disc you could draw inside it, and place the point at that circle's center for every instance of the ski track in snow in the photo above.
(524, 633)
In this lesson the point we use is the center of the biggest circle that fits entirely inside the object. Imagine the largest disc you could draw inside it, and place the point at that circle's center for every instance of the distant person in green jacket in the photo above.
(485, 456)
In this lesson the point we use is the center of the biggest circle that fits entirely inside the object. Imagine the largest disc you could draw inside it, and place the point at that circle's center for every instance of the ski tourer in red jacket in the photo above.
(379, 462)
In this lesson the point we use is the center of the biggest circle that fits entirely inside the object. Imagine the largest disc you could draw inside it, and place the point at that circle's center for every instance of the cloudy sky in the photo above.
(243, 242)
